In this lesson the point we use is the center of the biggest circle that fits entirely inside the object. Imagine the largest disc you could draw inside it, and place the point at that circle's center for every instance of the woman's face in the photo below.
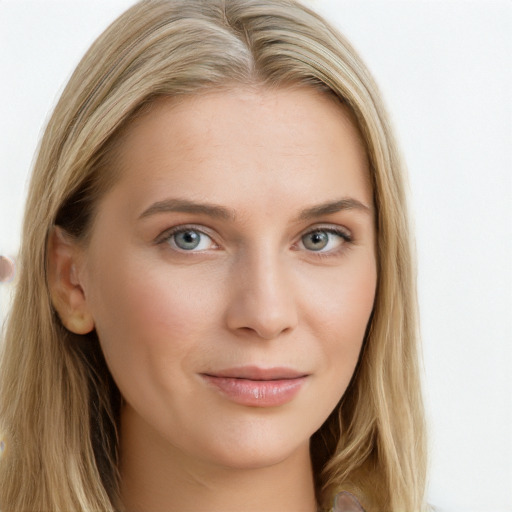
(231, 272)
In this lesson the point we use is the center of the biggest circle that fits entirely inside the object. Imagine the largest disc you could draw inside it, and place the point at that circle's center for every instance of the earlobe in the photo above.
(66, 291)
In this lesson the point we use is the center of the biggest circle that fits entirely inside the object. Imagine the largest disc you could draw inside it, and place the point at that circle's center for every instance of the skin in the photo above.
(256, 291)
(6, 269)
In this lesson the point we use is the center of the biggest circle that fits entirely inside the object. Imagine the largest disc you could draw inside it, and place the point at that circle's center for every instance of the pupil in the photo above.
(187, 240)
(316, 241)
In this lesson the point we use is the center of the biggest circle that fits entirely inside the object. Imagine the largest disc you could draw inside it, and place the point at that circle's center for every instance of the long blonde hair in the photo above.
(58, 404)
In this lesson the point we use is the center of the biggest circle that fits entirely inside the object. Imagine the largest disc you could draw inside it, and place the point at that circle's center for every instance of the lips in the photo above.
(256, 373)
(257, 387)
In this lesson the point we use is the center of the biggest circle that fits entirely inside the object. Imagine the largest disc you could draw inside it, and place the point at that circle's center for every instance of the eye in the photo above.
(189, 239)
(324, 240)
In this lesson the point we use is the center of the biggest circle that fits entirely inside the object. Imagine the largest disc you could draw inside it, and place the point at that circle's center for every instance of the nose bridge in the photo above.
(264, 300)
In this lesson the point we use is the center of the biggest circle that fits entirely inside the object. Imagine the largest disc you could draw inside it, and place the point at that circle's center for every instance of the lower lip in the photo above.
(257, 393)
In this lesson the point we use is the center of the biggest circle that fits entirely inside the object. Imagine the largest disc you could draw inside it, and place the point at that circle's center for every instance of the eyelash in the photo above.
(346, 237)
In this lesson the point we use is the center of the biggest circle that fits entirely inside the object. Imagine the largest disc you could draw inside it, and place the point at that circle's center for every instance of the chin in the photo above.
(266, 450)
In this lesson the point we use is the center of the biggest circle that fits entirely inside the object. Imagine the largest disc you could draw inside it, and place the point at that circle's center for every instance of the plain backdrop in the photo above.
(444, 68)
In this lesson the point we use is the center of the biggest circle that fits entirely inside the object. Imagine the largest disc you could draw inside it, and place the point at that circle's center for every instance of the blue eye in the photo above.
(190, 240)
(324, 240)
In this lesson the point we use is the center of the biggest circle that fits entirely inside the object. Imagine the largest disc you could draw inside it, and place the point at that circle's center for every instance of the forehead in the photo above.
(245, 144)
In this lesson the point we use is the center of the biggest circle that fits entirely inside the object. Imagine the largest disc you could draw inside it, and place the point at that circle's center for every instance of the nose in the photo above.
(262, 300)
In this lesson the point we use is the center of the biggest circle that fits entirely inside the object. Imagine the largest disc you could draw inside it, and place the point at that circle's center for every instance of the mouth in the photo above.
(257, 387)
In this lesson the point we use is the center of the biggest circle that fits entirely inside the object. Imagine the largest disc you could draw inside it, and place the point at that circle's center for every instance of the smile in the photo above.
(256, 387)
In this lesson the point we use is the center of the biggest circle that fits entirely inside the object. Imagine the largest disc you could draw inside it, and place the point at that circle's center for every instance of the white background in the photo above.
(444, 69)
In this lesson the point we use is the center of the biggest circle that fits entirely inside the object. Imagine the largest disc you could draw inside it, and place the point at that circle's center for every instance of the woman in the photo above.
(216, 303)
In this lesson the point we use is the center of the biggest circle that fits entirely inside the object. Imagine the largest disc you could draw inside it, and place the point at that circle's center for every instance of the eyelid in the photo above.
(330, 228)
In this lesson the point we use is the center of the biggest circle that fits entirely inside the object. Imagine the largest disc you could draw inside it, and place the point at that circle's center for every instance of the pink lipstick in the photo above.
(257, 387)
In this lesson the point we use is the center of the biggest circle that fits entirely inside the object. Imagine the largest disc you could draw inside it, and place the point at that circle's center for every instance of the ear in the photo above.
(67, 294)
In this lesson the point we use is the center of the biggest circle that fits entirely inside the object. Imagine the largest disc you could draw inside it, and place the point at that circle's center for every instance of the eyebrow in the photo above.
(334, 207)
(220, 212)
(186, 206)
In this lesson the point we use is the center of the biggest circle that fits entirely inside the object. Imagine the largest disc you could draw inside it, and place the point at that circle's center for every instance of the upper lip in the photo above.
(257, 373)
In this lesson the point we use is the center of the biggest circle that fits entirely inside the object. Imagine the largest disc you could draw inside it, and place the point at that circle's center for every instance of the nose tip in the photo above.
(263, 304)
(264, 325)
(266, 328)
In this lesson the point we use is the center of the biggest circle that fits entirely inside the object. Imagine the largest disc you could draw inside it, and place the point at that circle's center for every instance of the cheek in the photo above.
(341, 301)
(338, 311)
(148, 318)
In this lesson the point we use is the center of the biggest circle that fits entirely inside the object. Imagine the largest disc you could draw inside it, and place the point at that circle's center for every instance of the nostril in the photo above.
(266, 332)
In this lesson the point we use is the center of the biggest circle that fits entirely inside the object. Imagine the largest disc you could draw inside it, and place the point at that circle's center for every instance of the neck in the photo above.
(159, 477)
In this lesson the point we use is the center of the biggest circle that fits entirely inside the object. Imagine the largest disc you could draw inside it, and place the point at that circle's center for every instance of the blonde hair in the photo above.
(59, 406)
